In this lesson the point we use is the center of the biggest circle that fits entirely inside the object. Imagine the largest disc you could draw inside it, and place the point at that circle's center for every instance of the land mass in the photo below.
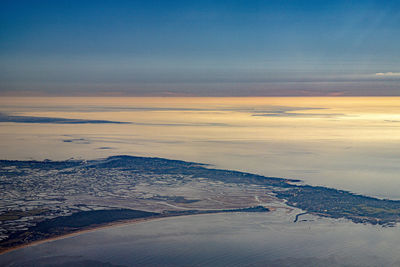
(83, 220)
(45, 199)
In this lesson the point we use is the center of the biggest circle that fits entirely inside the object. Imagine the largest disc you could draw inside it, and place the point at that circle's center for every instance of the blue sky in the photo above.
(200, 48)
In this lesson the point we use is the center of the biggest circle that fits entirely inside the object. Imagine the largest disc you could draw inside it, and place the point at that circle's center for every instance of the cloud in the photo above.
(388, 74)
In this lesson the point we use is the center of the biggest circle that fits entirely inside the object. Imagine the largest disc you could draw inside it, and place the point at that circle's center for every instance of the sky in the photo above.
(199, 48)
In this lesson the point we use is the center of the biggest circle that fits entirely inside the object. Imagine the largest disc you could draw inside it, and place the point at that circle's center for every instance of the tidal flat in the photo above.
(347, 143)
(46, 199)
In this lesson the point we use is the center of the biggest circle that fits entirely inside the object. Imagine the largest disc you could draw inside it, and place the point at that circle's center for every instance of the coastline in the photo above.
(87, 230)
(119, 223)
(317, 200)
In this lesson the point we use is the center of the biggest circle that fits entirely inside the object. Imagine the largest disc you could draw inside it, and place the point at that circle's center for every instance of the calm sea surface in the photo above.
(346, 143)
(221, 240)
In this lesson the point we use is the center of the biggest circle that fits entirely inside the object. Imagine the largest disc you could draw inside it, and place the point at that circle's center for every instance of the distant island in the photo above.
(46, 199)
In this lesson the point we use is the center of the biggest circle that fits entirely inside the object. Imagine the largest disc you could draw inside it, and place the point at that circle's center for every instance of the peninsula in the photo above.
(46, 199)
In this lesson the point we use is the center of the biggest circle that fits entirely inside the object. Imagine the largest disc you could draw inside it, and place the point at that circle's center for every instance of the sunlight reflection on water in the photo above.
(225, 240)
(346, 143)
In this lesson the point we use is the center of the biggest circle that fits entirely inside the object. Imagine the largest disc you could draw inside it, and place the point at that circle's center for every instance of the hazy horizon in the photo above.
(341, 142)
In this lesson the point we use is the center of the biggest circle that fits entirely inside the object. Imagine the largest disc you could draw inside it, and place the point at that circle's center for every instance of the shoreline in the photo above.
(88, 230)
(326, 202)
(108, 225)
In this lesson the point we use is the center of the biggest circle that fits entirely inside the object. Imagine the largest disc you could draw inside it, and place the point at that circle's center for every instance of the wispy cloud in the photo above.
(388, 74)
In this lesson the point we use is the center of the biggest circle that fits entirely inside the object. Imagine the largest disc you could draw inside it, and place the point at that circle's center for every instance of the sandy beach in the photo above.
(85, 230)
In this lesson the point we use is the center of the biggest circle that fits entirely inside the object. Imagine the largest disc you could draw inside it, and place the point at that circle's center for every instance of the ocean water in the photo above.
(349, 143)
(234, 239)
(346, 143)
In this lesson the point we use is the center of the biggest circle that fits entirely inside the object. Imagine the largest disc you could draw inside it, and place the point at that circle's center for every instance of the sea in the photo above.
(350, 143)
(232, 239)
